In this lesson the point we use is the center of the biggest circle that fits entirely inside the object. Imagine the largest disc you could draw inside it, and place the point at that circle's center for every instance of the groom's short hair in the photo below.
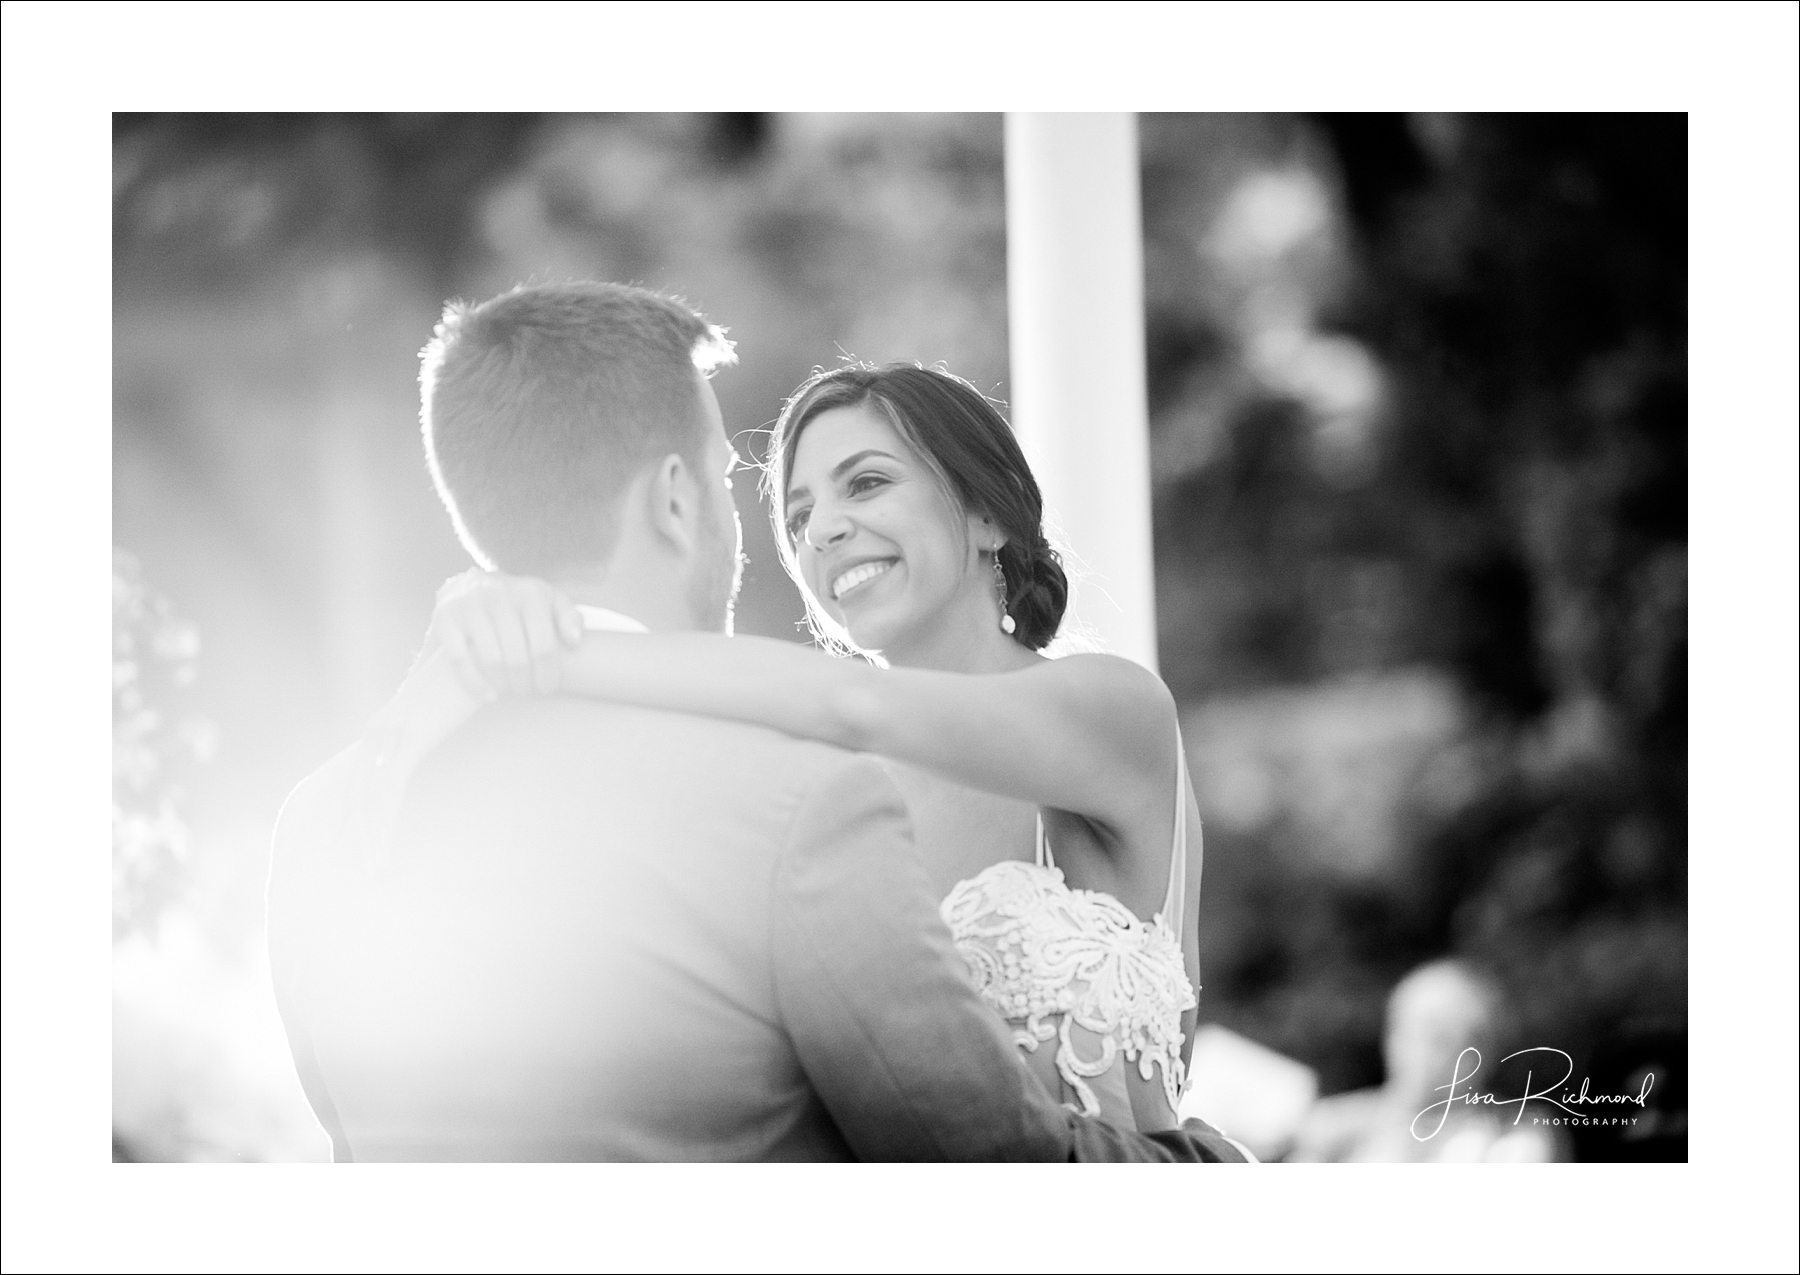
(541, 405)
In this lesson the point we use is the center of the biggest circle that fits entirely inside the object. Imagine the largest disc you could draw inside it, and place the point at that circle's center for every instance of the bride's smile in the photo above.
(857, 576)
(879, 542)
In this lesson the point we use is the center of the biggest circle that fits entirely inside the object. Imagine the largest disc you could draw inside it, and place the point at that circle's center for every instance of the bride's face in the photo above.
(880, 545)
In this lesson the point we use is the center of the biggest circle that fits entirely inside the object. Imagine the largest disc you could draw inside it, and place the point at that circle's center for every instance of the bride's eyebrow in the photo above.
(838, 470)
(850, 462)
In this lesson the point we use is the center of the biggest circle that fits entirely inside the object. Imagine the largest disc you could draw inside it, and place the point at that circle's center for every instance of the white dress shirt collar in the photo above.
(608, 621)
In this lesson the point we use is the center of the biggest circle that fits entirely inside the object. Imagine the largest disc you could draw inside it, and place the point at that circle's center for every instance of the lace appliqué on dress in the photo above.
(1039, 951)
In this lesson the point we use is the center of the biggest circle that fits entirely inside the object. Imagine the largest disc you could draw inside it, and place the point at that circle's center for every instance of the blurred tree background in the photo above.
(1419, 439)
(1421, 544)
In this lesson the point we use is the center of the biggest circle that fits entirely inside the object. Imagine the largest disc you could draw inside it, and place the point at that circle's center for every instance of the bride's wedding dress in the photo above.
(1080, 968)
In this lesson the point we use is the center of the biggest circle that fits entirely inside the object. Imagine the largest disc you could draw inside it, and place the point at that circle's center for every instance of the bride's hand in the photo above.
(489, 633)
(431, 703)
(504, 632)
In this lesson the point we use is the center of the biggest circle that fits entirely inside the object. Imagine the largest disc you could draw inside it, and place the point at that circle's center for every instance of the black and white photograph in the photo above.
(1065, 633)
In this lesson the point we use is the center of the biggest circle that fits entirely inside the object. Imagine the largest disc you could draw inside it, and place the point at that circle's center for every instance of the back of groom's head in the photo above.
(541, 405)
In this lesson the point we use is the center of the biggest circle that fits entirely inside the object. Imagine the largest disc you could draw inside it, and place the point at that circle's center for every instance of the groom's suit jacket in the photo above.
(609, 933)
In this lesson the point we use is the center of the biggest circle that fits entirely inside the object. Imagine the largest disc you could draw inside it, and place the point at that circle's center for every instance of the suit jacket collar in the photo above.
(602, 619)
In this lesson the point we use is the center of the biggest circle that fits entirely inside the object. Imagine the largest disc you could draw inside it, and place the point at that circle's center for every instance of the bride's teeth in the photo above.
(857, 575)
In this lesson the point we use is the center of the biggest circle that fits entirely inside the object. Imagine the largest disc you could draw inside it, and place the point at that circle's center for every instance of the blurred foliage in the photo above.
(1417, 390)
(154, 655)
(212, 202)
(1518, 522)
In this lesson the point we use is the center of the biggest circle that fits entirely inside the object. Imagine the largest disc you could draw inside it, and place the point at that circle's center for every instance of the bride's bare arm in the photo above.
(1091, 734)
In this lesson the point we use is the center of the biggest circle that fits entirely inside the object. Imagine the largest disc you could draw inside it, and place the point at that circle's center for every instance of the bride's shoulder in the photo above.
(1114, 685)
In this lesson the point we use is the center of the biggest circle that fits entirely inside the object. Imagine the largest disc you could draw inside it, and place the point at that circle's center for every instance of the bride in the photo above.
(1049, 797)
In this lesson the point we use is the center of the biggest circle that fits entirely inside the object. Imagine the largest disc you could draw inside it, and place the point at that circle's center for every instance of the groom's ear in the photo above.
(674, 500)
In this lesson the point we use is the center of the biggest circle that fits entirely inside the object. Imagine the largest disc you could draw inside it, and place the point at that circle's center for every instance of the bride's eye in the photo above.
(864, 483)
(796, 523)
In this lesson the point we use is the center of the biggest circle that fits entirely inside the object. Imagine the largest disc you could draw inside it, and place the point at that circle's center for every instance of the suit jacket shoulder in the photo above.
(569, 953)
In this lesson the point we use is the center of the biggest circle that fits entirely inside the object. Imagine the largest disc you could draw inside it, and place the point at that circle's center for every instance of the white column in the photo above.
(1075, 294)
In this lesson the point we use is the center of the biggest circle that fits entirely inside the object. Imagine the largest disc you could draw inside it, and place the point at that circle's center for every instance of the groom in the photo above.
(609, 933)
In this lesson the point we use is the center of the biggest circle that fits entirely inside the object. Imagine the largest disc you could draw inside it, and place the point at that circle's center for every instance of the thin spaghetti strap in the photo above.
(1176, 895)
(1044, 858)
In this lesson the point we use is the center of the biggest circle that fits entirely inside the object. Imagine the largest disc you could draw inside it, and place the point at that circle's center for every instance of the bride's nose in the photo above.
(825, 528)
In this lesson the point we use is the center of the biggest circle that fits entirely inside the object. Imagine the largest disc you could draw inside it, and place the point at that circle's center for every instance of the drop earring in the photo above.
(1007, 623)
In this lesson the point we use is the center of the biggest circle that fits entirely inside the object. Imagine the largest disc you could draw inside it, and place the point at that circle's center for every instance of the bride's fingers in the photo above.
(515, 648)
(479, 630)
(540, 628)
(465, 663)
(568, 619)
(546, 647)
(462, 584)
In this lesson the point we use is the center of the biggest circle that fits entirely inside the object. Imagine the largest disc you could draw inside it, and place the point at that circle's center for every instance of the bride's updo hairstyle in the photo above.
(971, 450)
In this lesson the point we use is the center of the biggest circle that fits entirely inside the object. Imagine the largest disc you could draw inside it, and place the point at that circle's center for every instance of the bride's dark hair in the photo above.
(967, 443)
